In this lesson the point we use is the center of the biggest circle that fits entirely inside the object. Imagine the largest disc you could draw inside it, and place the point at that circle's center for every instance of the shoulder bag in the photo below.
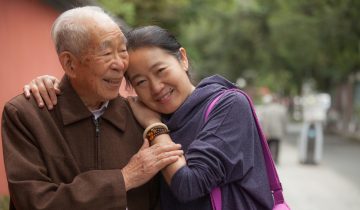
(274, 181)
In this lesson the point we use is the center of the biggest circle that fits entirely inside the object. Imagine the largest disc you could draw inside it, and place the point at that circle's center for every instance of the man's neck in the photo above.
(93, 106)
(87, 98)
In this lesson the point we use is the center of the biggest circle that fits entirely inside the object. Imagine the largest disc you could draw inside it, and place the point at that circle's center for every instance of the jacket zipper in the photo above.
(97, 144)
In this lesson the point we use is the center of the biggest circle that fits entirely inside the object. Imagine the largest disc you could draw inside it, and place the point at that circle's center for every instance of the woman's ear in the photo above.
(68, 62)
(184, 60)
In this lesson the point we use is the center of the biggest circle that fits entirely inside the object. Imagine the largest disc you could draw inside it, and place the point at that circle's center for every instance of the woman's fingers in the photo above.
(40, 83)
(36, 93)
(56, 84)
(44, 89)
(27, 91)
(50, 88)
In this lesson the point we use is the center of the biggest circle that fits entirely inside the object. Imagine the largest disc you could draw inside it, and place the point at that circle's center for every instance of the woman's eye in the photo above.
(107, 53)
(161, 70)
(140, 82)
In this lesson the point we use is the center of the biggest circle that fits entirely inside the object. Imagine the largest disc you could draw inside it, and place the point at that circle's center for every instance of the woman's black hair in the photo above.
(153, 36)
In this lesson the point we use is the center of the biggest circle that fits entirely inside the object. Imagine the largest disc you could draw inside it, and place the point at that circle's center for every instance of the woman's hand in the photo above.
(44, 89)
(143, 114)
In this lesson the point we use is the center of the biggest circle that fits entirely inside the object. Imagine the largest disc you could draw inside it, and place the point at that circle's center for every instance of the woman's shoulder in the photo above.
(235, 97)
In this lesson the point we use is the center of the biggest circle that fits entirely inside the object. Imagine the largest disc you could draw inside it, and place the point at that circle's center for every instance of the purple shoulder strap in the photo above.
(273, 177)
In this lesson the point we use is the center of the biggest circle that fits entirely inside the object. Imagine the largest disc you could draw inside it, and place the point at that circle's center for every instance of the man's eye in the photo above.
(106, 53)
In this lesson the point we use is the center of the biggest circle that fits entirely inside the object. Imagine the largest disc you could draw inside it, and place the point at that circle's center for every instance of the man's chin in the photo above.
(112, 96)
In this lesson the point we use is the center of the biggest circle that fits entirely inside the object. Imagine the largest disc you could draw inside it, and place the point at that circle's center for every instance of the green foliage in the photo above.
(166, 13)
(4, 202)
(277, 43)
(120, 8)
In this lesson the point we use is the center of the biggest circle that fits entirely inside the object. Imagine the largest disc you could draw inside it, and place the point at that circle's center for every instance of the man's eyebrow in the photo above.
(105, 44)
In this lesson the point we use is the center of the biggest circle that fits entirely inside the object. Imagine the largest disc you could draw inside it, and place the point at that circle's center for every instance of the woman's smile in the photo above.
(166, 97)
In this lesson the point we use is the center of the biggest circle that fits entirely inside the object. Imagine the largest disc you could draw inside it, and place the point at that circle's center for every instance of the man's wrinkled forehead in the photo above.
(104, 37)
(120, 39)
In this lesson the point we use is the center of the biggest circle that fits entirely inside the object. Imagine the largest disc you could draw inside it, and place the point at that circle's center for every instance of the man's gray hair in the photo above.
(69, 33)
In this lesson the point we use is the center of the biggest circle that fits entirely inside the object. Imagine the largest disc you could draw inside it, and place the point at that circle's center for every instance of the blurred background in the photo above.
(303, 55)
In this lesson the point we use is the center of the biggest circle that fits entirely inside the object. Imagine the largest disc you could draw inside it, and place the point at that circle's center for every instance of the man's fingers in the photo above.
(145, 144)
(169, 154)
(161, 163)
(166, 154)
(162, 148)
(172, 153)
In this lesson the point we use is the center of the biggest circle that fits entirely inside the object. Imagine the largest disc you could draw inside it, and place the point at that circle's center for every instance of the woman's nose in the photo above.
(156, 86)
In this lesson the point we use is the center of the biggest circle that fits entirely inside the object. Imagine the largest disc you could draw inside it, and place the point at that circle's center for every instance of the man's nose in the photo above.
(120, 62)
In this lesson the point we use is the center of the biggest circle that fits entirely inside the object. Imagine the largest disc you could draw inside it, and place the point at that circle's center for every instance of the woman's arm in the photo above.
(169, 171)
(147, 117)
(222, 152)
(226, 149)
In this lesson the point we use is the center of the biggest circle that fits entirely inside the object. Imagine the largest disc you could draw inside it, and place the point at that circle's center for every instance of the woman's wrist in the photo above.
(154, 130)
(162, 139)
(151, 122)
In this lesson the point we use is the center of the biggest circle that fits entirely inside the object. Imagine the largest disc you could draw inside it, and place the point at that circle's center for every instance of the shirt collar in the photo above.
(73, 109)
(97, 113)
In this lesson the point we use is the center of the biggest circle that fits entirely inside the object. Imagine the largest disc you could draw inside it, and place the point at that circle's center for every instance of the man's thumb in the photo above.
(145, 144)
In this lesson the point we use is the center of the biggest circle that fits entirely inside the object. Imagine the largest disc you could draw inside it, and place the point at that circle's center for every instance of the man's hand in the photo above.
(148, 162)
(44, 89)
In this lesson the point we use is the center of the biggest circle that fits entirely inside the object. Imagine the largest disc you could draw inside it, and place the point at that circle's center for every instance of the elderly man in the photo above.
(87, 152)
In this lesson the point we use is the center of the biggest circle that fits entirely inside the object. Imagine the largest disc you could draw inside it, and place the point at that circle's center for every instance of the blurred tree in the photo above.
(317, 39)
(166, 13)
(277, 43)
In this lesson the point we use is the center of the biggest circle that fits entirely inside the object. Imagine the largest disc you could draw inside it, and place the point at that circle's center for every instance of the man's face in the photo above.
(101, 69)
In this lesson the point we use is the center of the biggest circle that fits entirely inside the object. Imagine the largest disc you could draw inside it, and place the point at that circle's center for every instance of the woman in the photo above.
(224, 151)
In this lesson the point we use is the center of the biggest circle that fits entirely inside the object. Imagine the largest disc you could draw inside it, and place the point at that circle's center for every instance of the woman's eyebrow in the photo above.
(134, 77)
(155, 65)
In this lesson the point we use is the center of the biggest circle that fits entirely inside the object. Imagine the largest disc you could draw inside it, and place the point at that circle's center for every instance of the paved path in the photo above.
(334, 184)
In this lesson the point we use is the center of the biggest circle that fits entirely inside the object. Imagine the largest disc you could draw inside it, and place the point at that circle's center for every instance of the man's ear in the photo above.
(184, 60)
(68, 62)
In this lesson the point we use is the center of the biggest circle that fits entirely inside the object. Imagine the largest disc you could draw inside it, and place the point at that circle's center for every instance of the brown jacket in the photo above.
(58, 160)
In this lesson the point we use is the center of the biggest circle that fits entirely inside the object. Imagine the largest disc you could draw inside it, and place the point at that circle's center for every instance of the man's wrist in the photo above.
(127, 181)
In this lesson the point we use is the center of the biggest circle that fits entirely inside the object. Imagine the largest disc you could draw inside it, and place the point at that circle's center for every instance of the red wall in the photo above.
(26, 51)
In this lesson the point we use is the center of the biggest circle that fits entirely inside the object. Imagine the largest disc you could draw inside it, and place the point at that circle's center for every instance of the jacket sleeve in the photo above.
(222, 152)
(31, 186)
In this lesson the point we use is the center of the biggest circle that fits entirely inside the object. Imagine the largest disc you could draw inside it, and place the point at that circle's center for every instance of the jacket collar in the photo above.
(73, 109)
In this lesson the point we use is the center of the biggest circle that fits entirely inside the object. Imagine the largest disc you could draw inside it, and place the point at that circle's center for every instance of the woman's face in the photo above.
(159, 78)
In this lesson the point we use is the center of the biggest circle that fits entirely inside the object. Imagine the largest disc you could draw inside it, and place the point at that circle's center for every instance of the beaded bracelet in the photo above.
(155, 130)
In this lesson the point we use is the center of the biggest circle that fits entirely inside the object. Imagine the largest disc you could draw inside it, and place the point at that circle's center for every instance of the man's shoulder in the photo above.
(21, 104)
(119, 100)
(20, 101)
